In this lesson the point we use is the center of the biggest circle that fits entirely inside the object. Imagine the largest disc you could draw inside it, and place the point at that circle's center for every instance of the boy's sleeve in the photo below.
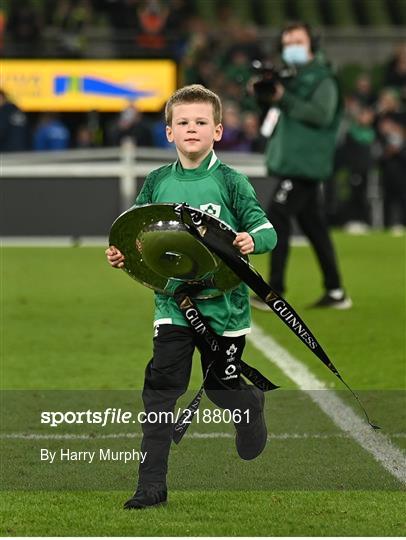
(251, 217)
(145, 195)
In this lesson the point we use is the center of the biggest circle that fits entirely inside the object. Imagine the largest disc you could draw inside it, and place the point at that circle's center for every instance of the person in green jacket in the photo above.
(199, 178)
(302, 124)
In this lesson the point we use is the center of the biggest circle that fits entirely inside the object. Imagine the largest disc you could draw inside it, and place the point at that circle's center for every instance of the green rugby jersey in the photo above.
(219, 190)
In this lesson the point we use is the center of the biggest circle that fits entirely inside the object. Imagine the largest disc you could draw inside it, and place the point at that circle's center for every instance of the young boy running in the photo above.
(199, 178)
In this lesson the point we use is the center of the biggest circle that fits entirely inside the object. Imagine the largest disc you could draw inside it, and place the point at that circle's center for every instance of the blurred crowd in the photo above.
(373, 138)
(372, 132)
(134, 27)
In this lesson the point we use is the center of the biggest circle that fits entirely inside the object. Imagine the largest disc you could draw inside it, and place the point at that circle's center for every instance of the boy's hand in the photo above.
(244, 242)
(114, 257)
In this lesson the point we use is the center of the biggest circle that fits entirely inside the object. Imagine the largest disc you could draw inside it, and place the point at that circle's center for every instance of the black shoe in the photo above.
(251, 437)
(257, 303)
(342, 302)
(145, 497)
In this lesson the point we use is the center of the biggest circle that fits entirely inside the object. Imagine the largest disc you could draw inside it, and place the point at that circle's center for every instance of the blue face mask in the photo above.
(295, 54)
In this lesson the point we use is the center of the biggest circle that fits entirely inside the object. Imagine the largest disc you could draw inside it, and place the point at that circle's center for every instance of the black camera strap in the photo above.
(212, 341)
(218, 237)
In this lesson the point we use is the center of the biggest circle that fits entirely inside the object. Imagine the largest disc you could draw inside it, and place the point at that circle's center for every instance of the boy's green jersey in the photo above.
(217, 189)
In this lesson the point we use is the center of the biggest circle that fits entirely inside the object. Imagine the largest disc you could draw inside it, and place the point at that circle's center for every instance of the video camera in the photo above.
(269, 75)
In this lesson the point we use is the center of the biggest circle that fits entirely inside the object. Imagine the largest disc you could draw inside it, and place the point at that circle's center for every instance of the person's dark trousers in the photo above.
(358, 203)
(166, 379)
(302, 199)
(394, 190)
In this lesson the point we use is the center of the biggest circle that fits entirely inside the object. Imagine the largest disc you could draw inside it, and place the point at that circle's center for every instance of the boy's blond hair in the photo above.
(194, 93)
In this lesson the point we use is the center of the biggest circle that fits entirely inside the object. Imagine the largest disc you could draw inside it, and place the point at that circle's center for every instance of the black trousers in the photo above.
(301, 199)
(166, 379)
(394, 192)
(358, 208)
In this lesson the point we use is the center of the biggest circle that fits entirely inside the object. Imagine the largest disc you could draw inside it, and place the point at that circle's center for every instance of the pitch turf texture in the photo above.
(71, 323)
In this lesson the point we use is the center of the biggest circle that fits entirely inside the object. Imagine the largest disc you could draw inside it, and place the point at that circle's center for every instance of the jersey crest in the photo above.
(211, 208)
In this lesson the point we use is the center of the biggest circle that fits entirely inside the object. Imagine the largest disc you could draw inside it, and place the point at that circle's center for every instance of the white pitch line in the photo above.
(52, 241)
(377, 444)
(195, 435)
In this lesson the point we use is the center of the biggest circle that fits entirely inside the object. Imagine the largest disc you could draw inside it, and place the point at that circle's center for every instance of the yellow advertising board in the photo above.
(85, 85)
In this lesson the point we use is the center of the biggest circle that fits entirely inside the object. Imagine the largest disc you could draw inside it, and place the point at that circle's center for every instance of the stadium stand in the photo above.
(213, 43)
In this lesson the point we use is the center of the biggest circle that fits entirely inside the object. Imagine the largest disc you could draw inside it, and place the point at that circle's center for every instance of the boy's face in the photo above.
(193, 129)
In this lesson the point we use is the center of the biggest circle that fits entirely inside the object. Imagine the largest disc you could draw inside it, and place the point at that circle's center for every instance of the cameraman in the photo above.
(302, 125)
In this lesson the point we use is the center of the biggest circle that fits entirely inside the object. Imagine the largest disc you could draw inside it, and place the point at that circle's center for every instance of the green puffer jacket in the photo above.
(303, 142)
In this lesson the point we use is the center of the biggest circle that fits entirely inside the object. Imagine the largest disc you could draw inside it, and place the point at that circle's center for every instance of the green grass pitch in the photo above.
(71, 323)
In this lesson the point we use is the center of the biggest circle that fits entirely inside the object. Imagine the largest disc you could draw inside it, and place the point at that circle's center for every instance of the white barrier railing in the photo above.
(128, 163)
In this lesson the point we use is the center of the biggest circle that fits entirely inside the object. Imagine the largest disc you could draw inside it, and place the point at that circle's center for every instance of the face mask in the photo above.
(395, 139)
(295, 54)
